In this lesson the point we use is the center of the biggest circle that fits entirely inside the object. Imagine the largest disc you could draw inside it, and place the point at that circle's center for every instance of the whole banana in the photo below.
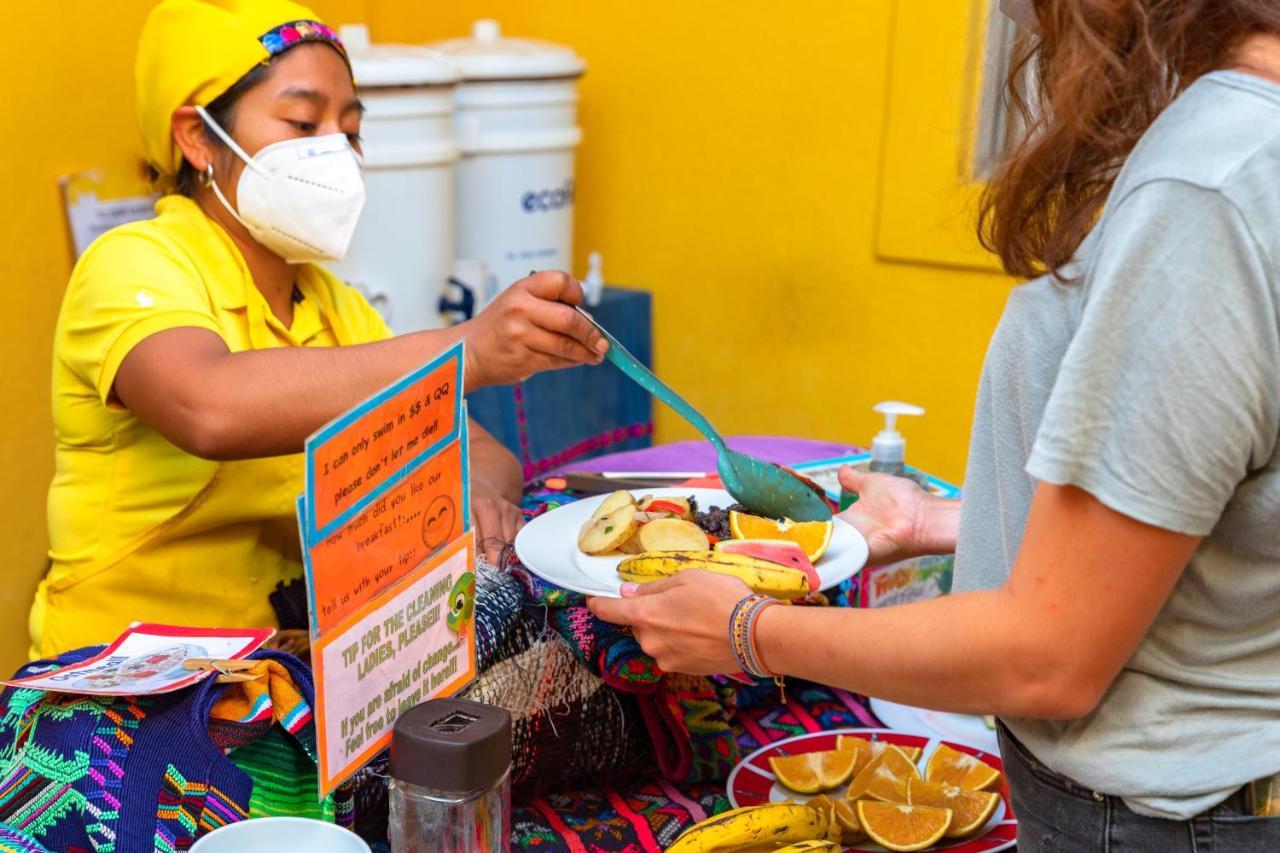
(754, 826)
(762, 576)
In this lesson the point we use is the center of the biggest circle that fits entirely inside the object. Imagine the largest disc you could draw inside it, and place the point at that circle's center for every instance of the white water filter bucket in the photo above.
(401, 256)
(515, 123)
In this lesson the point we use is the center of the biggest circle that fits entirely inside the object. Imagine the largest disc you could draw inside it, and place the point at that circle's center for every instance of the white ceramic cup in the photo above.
(273, 834)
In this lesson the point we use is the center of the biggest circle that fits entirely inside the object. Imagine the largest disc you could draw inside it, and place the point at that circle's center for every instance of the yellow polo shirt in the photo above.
(140, 529)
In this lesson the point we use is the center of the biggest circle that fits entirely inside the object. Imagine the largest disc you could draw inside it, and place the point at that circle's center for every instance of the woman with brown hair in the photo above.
(1117, 597)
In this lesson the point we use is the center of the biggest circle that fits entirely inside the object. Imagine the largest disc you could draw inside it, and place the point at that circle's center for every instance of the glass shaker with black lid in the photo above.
(450, 788)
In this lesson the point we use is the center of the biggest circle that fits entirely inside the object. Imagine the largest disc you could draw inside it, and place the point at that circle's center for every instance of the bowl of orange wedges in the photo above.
(886, 789)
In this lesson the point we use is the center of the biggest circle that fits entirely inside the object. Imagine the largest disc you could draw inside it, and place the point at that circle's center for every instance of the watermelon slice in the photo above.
(784, 552)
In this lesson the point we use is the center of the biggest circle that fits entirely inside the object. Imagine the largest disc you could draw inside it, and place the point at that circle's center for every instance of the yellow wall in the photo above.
(733, 164)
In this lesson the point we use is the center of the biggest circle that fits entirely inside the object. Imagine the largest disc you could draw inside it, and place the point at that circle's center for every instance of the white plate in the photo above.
(548, 546)
(962, 727)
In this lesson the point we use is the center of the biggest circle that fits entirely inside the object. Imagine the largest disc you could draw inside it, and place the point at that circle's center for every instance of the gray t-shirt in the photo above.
(1153, 383)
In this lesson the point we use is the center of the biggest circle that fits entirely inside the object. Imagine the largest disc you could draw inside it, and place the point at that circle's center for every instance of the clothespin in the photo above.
(229, 671)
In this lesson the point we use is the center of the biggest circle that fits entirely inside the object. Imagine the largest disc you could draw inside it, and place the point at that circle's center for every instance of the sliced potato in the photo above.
(672, 534)
(607, 533)
(632, 545)
(615, 501)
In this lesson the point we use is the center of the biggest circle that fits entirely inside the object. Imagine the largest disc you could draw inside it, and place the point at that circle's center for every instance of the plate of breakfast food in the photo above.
(595, 545)
(873, 790)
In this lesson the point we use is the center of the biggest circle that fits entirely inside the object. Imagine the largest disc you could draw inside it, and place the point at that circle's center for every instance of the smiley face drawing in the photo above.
(438, 522)
(462, 604)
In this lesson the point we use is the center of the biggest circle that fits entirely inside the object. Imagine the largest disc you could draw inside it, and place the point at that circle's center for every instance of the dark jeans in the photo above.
(1056, 815)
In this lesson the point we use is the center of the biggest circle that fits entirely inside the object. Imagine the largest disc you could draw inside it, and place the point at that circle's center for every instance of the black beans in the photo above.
(715, 521)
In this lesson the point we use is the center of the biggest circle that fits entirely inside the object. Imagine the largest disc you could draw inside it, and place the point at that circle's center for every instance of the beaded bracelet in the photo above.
(742, 636)
(742, 633)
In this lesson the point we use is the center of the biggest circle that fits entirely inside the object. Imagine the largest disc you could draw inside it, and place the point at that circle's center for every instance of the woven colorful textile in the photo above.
(13, 841)
(152, 772)
(107, 773)
(567, 725)
(647, 815)
(272, 697)
(687, 718)
(266, 725)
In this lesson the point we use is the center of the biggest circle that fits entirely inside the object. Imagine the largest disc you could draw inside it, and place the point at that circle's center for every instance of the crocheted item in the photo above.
(687, 718)
(268, 728)
(279, 758)
(272, 697)
(567, 725)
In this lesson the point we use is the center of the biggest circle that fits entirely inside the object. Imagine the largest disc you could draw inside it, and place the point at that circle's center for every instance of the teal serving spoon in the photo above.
(765, 488)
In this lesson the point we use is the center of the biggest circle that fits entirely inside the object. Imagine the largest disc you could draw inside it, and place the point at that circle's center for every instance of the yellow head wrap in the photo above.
(191, 51)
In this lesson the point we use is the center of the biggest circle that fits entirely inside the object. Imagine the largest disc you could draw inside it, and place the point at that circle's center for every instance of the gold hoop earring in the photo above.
(206, 177)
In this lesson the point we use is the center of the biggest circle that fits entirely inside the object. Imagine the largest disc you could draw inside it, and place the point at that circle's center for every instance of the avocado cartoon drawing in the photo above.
(462, 604)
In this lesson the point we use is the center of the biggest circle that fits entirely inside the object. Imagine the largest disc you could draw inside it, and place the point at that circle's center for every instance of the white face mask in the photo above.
(301, 198)
(1022, 13)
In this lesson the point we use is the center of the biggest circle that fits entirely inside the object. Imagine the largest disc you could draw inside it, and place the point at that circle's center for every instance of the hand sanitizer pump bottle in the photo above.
(889, 448)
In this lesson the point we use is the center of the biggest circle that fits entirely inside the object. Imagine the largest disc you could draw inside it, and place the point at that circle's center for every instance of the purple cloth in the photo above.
(700, 456)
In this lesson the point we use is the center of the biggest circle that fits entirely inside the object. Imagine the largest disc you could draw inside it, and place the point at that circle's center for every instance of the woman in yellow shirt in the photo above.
(195, 352)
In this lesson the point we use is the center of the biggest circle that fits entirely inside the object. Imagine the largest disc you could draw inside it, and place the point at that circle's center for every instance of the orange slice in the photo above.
(970, 809)
(953, 767)
(813, 536)
(903, 827)
(876, 746)
(847, 819)
(814, 771)
(852, 742)
(860, 746)
(912, 752)
(885, 777)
